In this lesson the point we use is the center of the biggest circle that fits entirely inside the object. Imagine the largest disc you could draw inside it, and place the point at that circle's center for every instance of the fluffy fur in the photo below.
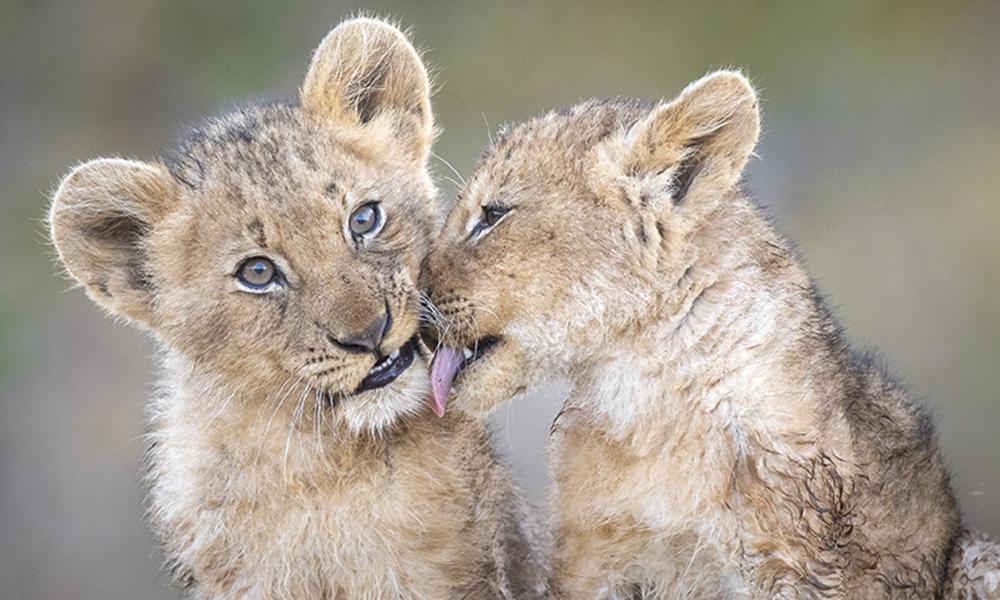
(974, 570)
(270, 477)
(721, 439)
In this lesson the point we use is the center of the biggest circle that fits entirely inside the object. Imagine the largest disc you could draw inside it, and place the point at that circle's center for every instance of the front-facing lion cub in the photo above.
(292, 453)
(721, 439)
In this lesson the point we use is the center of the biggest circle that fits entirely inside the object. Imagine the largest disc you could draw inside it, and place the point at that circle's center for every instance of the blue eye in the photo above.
(257, 272)
(365, 219)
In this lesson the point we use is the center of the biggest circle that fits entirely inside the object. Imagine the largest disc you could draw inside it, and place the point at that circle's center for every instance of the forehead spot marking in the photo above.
(256, 231)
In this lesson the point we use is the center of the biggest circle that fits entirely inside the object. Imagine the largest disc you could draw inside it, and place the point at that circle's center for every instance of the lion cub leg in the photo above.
(617, 533)
(589, 544)
(584, 561)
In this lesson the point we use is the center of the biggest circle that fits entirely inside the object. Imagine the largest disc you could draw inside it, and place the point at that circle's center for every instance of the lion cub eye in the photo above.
(492, 214)
(365, 219)
(257, 272)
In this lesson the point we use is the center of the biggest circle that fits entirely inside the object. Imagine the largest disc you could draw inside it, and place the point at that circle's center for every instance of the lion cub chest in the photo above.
(658, 499)
(297, 525)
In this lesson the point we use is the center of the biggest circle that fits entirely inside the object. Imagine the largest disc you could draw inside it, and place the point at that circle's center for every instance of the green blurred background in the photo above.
(880, 156)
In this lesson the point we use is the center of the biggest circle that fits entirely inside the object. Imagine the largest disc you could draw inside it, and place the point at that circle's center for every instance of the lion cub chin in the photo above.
(721, 439)
(292, 453)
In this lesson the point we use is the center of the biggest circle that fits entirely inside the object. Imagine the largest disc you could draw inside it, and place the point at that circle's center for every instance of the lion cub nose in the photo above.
(366, 340)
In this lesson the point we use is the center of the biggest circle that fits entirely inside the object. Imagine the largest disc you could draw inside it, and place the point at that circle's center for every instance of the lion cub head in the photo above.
(569, 229)
(280, 247)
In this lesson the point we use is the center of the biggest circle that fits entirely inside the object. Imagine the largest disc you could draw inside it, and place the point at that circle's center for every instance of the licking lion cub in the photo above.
(721, 439)
(274, 259)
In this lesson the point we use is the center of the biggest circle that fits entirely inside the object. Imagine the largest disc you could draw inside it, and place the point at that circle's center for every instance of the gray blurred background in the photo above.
(880, 156)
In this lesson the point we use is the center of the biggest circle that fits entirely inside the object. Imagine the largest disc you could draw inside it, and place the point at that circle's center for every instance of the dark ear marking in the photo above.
(365, 100)
(685, 174)
(703, 136)
(366, 69)
(120, 229)
(125, 232)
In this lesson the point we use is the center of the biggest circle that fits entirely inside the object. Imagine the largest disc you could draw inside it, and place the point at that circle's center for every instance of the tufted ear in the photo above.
(699, 142)
(99, 220)
(366, 70)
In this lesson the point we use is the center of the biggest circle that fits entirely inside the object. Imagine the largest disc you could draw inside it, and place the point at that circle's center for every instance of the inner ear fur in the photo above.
(99, 221)
(366, 70)
(701, 140)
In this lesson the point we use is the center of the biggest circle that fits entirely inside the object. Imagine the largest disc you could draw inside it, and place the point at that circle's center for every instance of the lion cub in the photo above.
(721, 439)
(292, 454)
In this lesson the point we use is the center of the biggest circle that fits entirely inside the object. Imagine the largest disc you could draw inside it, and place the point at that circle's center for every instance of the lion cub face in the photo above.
(569, 229)
(279, 249)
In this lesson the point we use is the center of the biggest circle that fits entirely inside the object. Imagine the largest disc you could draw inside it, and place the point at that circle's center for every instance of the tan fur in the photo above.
(269, 477)
(721, 439)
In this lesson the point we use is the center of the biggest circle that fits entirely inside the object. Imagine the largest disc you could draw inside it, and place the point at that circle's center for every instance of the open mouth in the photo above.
(388, 368)
(448, 362)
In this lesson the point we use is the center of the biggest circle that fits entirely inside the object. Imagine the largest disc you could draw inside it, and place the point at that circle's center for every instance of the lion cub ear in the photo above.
(99, 220)
(700, 141)
(366, 70)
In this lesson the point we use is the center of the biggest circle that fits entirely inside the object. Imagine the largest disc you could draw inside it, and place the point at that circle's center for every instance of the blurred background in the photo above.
(880, 156)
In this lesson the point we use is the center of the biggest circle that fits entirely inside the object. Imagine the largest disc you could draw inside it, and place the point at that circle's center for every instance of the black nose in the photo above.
(368, 339)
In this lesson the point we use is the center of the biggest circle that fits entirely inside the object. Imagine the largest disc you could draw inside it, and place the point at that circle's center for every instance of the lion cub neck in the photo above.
(723, 345)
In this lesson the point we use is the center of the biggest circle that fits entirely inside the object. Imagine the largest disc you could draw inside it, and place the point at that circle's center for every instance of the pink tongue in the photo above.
(443, 369)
